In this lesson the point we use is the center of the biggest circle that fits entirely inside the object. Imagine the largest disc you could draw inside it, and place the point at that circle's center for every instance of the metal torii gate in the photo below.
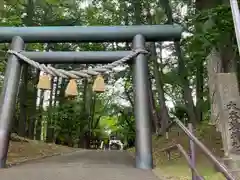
(56, 34)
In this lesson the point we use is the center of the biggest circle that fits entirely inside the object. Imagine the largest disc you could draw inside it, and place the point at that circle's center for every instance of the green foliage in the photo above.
(108, 124)
(96, 113)
(216, 24)
(69, 118)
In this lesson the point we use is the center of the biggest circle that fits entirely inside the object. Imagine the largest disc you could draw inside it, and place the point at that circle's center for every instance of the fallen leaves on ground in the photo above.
(21, 151)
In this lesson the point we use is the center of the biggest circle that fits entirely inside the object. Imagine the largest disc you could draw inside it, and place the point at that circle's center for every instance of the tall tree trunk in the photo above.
(158, 74)
(187, 92)
(228, 54)
(152, 67)
(92, 115)
(154, 115)
(214, 66)
(199, 90)
(23, 101)
(89, 105)
(61, 96)
(82, 139)
(55, 105)
(56, 92)
(33, 113)
(50, 128)
(25, 74)
(39, 119)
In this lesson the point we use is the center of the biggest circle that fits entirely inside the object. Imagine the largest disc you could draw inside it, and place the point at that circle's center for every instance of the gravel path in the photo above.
(82, 165)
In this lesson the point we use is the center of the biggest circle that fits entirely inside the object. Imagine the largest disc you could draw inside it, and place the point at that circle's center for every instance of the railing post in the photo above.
(8, 98)
(192, 152)
(236, 20)
(142, 113)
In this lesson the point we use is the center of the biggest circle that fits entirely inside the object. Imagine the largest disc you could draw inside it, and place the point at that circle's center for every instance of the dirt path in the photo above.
(82, 165)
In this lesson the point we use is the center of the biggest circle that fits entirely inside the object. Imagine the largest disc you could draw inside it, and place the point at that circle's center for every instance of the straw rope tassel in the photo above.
(99, 85)
(44, 82)
(71, 90)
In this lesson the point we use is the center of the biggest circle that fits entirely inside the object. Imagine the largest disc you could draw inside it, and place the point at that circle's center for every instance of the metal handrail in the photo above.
(236, 20)
(205, 150)
(184, 153)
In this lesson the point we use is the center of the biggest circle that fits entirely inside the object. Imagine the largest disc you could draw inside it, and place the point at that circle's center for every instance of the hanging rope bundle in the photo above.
(99, 85)
(71, 90)
(44, 82)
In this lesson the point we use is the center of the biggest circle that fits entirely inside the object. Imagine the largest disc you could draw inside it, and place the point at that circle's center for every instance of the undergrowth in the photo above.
(177, 167)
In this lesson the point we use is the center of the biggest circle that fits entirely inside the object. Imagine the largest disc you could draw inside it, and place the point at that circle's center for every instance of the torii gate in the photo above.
(56, 34)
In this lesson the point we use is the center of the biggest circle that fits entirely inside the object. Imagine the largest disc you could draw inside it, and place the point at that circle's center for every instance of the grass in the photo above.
(177, 168)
